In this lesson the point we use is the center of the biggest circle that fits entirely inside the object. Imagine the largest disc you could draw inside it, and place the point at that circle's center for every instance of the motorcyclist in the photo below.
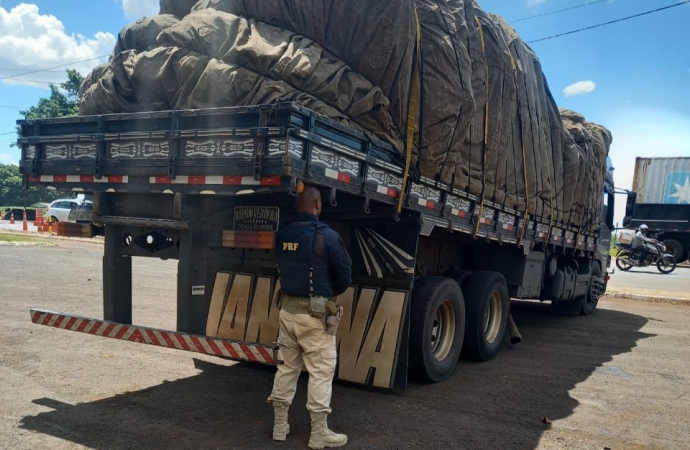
(640, 242)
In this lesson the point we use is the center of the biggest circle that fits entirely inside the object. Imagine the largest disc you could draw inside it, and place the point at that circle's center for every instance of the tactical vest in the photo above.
(302, 260)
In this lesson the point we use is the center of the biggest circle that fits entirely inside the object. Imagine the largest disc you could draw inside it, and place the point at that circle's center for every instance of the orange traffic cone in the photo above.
(12, 218)
(39, 218)
(25, 226)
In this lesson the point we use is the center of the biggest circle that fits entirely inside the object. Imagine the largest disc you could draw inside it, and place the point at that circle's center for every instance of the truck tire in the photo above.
(677, 249)
(596, 287)
(487, 304)
(437, 328)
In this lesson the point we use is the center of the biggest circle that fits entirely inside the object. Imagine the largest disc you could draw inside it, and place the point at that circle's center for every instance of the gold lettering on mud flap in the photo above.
(217, 302)
(227, 317)
(378, 344)
(368, 335)
(263, 318)
(234, 320)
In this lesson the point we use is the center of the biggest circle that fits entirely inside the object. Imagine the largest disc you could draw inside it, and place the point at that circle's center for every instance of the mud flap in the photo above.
(372, 337)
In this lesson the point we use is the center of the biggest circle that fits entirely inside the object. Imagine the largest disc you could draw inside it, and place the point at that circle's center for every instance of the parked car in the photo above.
(59, 210)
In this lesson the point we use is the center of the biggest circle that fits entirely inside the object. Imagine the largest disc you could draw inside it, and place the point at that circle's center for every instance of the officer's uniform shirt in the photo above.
(312, 259)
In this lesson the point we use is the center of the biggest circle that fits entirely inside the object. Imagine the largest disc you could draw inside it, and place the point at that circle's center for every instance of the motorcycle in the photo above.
(628, 257)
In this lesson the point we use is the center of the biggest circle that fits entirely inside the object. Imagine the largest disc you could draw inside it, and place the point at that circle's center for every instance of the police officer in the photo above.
(314, 267)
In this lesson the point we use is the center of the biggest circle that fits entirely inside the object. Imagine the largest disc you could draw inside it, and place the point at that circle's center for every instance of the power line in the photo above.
(559, 11)
(51, 68)
(611, 22)
(9, 132)
(38, 81)
(19, 70)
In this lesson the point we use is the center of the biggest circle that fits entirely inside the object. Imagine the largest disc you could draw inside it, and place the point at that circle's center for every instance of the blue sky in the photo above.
(632, 77)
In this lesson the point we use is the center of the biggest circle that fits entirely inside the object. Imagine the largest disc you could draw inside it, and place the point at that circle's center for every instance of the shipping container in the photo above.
(660, 199)
(662, 180)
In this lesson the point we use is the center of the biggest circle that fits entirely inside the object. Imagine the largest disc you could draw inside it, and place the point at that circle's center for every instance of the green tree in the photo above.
(62, 102)
(11, 192)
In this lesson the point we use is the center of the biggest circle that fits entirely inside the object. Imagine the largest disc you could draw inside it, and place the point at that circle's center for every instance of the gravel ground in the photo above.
(619, 379)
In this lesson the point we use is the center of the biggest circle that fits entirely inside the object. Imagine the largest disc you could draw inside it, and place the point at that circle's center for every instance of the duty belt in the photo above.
(295, 305)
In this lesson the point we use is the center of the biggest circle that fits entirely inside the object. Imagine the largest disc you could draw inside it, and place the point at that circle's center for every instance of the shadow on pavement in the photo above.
(483, 405)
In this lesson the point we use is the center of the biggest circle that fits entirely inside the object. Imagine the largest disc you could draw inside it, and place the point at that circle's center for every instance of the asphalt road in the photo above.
(619, 379)
(649, 281)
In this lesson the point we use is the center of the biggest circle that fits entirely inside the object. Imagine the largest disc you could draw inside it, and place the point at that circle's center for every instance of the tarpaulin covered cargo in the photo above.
(483, 115)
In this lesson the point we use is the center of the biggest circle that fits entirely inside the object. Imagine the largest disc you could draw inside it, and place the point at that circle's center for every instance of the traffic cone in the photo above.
(39, 218)
(12, 218)
(25, 226)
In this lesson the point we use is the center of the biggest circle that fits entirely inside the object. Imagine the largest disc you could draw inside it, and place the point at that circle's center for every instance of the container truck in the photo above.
(660, 198)
(434, 267)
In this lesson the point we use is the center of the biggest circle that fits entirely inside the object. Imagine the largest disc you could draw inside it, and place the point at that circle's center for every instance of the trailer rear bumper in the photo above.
(235, 350)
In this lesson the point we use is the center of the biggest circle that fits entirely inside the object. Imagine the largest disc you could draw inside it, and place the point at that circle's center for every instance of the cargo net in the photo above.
(471, 93)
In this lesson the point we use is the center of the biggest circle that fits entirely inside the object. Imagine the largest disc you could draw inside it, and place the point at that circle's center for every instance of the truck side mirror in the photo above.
(630, 204)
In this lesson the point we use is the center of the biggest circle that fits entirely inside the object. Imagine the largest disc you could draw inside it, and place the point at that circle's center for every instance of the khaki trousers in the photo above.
(302, 339)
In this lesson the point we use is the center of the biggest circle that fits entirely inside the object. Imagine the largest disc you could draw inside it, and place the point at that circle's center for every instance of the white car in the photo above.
(59, 210)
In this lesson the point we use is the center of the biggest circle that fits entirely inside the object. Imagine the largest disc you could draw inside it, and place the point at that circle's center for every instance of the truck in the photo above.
(660, 198)
(434, 267)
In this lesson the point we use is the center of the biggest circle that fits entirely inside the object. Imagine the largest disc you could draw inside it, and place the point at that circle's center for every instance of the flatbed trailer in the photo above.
(433, 271)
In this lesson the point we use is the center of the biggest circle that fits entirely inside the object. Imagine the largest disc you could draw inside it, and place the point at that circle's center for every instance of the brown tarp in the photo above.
(486, 123)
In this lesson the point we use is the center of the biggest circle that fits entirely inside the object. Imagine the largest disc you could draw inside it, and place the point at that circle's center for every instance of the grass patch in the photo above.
(21, 239)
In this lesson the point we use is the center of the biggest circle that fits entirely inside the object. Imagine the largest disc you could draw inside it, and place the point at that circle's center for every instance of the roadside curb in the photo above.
(650, 298)
(26, 244)
(98, 240)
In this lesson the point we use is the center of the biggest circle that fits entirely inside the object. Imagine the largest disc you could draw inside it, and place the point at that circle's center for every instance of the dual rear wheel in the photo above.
(448, 321)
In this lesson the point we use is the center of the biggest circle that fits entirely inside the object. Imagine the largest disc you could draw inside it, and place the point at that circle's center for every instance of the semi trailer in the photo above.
(434, 266)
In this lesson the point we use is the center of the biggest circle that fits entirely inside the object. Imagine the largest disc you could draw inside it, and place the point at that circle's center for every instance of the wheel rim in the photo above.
(443, 331)
(624, 262)
(595, 290)
(665, 265)
(493, 315)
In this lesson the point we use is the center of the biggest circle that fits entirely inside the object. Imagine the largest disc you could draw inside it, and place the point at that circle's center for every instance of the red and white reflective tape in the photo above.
(226, 180)
(507, 226)
(426, 203)
(390, 192)
(458, 212)
(112, 179)
(240, 351)
(340, 176)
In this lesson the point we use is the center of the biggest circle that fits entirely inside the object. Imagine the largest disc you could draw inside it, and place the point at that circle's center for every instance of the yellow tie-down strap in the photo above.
(412, 112)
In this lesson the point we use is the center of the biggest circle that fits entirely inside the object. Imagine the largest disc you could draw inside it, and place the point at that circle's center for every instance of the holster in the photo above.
(332, 318)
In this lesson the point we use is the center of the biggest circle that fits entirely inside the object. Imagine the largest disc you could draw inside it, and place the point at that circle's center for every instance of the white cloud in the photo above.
(7, 159)
(579, 88)
(32, 41)
(532, 3)
(136, 9)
